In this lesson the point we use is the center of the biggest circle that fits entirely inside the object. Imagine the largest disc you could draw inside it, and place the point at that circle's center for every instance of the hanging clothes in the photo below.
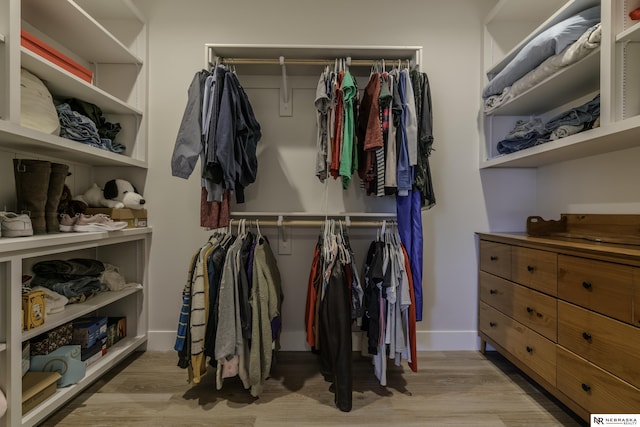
(348, 162)
(334, 302)
(422, 95)
(382, 304)
(219, 128)
(230, 311)
(389, 320)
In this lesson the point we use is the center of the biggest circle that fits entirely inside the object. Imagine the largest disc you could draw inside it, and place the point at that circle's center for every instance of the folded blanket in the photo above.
(550, 42)
(585, 44)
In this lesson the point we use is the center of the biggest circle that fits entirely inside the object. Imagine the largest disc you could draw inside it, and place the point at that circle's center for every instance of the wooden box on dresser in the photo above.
(565, 312)
(108, 38)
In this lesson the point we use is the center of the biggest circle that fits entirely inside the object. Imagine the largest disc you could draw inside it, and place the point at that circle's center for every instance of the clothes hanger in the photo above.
(258, 233)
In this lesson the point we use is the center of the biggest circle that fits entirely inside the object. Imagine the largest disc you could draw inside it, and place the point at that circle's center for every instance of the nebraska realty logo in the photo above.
(615, 420)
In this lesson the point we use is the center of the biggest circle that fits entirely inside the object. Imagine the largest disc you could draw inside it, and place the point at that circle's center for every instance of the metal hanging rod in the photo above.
(307, 223)
(304, 219)
(296, 61)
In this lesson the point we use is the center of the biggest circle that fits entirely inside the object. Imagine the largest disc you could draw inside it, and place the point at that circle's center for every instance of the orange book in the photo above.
(42, 49)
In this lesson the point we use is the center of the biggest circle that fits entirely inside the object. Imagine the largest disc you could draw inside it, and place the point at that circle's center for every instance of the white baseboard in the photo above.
(296, 341)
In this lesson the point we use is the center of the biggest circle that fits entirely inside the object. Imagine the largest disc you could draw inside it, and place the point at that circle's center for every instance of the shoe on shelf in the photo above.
(15, 225)
(97, 222)
(67, 222)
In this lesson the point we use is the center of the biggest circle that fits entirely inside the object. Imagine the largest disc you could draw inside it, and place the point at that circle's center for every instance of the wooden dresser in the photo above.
(567, 313)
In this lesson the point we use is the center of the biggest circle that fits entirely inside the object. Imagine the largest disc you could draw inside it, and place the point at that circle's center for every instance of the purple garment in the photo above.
(410, 230)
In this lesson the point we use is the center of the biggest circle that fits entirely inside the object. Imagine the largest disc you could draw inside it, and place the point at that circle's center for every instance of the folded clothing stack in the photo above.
(533, 132)
(77, 279)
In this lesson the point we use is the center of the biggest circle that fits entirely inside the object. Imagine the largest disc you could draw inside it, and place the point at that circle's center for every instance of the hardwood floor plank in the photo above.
(450, 389)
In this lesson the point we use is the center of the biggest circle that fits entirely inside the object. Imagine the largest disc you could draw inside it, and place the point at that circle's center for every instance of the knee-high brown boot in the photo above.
(58, 175)
(32, 185)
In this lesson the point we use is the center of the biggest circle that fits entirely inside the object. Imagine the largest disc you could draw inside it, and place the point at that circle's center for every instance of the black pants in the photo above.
(335, 337)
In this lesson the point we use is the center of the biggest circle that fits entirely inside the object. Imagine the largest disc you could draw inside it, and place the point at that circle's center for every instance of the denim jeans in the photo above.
(585, 113)
(507, 146)
(80, 286)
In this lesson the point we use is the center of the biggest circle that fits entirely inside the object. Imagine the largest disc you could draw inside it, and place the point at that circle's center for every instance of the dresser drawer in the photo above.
(600, 286)
(636, 297)
(498, 327)
(535, 269)
(597, 391)
(531, 308)
(603, 341)
(537, 352)
(495, 258)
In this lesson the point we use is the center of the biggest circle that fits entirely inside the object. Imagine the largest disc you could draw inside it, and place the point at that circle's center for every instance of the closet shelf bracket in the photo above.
(286, 97)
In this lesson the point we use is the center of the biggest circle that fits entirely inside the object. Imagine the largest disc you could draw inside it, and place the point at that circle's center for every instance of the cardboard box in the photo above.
(99, 347)
(33, 306)
(135, 218)
(51, 340)
(89, 330)
(36, 387)
(65, 361)
(42, 49)
(93, 359)
(116, 330)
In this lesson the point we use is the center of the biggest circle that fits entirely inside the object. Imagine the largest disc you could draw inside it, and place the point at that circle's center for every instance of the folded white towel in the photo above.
(54, 302)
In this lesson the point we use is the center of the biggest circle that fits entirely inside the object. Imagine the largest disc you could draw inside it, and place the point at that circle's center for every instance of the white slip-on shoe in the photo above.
(15, 225)
(97, 222)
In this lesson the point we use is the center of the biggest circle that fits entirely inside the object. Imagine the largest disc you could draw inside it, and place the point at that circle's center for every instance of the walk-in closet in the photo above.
(417, 213)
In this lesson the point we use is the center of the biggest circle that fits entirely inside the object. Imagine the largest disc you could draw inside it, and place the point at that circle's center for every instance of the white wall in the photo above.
(601, 184)
(450, 33)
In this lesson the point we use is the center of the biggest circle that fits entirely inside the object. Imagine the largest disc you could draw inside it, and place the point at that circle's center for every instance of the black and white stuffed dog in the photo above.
(117, 193)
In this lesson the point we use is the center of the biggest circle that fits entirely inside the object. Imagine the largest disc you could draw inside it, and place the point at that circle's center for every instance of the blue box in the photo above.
(88, 330)
(65, 360)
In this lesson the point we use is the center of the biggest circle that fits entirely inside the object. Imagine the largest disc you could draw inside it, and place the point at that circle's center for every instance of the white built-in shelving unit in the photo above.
(108, 38)
(609, 70)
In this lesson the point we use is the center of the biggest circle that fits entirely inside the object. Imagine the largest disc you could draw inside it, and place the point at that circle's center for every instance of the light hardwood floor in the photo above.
(462, 388)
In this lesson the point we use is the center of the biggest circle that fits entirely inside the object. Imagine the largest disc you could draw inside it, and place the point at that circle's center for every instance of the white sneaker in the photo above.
(15, 225)
(97, 222)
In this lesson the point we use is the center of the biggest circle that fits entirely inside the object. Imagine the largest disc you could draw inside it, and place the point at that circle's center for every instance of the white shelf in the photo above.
(114, 355)
(31, 243)
(567, 84)
(631, 34)
(3, 346)
(111, 10)
(63, 84)
(617, 136)
(518, 10)
(67, 23)
(18, 138)
(73, 311)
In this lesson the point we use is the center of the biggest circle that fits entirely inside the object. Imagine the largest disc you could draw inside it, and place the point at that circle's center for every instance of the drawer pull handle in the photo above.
(493, 258)
(493, 324)
(493, 291)
(539, 314)
(529, 349)
(586, 285)
(586, 336)
(586, 387)
(529, 310)
(530, 268)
